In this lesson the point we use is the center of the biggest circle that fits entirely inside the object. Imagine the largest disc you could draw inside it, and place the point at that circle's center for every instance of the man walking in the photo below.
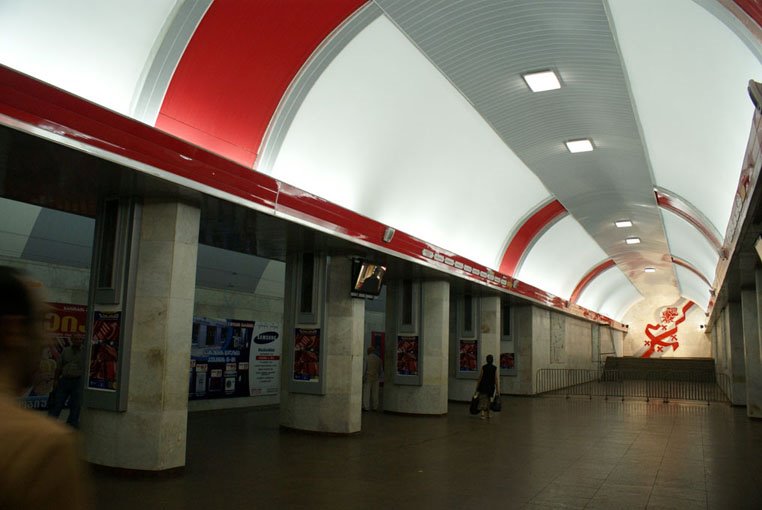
(70, 371)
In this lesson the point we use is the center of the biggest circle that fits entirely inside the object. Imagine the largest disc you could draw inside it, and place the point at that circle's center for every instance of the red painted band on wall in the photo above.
(237, 66)
(589, 277)
(687, 265)
(681, 209)
(526, 234)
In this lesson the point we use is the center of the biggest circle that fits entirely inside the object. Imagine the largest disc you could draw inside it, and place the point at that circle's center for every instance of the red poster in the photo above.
(407, 355)
(307, 355)
(105, 350)
(467, 356)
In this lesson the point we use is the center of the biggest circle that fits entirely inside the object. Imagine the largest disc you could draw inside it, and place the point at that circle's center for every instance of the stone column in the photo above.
(338, 410)
(750, 305)
(151, 434)
(734, 331)
(489, 324)
(430, 397)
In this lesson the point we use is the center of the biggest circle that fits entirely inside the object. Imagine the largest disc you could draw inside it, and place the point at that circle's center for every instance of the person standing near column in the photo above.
(487, 387)
(70, 371)
(39, 466)
(373, 369)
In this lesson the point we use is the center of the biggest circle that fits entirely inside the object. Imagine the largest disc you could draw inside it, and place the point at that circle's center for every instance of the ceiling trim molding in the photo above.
(589, 277)
(673, 202)
(527, 234)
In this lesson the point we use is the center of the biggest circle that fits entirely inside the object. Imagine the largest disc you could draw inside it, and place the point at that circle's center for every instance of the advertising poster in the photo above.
(63, 322)
(307, 355)
(467, 356)
(265, 359)
(407, 355)
(507, 361)
(105, 350)
(220, 365)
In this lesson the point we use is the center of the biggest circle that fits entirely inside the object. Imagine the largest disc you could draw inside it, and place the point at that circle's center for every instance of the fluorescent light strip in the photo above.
(650, 270)
(583, 145)
(623, 223)
(632, 240)
(542, 81)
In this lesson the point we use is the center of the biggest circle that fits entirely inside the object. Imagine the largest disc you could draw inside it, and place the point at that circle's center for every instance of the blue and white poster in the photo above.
(265, 359)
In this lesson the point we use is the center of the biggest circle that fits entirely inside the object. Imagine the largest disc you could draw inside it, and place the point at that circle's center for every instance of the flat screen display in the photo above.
(367, 278)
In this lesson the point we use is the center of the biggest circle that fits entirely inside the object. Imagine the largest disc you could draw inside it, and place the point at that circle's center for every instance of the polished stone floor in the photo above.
(538, 453)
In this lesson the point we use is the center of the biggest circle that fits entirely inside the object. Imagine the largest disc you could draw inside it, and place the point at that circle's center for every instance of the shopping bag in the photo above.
(496, 405)
(474, 409)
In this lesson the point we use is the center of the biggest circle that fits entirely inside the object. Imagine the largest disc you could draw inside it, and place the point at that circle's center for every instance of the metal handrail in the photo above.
(665, 385)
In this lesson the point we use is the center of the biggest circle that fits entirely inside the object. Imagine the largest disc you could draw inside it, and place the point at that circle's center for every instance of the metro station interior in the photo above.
(230, 201)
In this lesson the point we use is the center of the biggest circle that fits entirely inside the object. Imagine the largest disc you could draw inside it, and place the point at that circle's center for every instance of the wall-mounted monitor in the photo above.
(367, 279)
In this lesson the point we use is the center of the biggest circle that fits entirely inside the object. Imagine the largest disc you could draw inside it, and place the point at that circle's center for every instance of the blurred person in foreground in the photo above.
(39, 465)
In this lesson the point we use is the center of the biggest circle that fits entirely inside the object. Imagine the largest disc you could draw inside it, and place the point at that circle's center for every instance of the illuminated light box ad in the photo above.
(407, 355)
(104, 355)
(467, 356)
(306, 355)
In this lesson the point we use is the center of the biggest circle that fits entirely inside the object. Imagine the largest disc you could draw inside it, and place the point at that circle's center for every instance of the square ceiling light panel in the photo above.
(542, 81)
(623, 224)
(583, 145)
(632, 240)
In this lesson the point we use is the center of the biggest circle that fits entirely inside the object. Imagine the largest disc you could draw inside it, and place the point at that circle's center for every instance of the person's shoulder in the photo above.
(22, 422)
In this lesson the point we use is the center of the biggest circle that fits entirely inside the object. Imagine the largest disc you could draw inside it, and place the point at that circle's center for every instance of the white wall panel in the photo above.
(610, 293)
(560, 258)
(687, 243)
(688, 77)
(93, 48)
(692, 287)
(383, 133)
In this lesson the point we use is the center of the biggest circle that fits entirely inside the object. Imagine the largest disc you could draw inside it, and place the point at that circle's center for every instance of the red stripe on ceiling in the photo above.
(526, 234)
(237, 66)
(690, 267)
(589, 277)
(681, 209)
(753, 8)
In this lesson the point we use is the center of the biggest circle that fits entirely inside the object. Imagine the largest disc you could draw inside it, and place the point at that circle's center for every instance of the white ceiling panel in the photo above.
(693, 287)
(610, 293)
(560, 258)
(688, 74)
(93, 48)
(687, 243)
(384, 134)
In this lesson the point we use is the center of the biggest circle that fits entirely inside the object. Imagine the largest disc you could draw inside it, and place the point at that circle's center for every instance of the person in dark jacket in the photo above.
(487, 387)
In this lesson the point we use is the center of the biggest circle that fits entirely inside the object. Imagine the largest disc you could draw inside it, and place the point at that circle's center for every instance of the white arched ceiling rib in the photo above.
(384, 134)
(560, 258)
(94, 49)
(692, 286)
(688, 74)
(610, 293)
(687, 243)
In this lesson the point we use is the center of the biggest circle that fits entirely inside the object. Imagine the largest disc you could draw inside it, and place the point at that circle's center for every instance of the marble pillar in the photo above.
(751, 306)
(489, 324)
(430, 397)
(734, 330)
(338, 410)
(151, 434)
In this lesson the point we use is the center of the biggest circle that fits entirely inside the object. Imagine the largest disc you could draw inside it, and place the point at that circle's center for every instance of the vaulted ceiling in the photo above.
(416, 114)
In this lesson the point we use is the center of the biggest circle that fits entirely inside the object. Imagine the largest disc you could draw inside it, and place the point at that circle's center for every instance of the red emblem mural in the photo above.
(663, 335)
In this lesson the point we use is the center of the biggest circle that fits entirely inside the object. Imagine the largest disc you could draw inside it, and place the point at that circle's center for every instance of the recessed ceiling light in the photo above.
(632, 240)
(584, 145)
(542, 81)
(650, 270)
(623, 223)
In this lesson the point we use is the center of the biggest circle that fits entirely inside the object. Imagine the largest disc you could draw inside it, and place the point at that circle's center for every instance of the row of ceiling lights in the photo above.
(541, 81)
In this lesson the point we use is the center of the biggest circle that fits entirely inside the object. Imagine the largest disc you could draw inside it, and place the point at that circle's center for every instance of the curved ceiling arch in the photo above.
(541, 266)
(383, 133)
(693, 287)
(528, 232)
(589, 277)
(678, 205)
(689, 244)
(611, 292)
